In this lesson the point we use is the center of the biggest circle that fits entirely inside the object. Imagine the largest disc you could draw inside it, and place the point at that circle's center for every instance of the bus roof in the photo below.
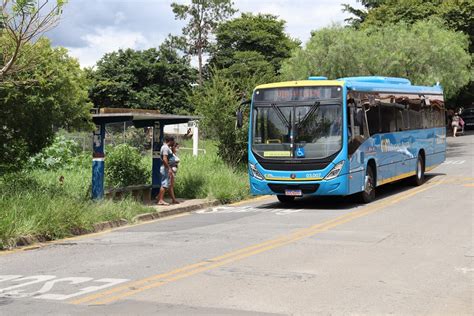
(366, 84)
(388, 84)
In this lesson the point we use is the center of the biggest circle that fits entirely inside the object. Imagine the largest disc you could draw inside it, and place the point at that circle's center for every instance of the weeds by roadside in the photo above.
(55, 203)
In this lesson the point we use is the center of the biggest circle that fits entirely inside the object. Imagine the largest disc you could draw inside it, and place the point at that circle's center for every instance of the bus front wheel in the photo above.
(419, 177)
(368, 195)
(285, 198)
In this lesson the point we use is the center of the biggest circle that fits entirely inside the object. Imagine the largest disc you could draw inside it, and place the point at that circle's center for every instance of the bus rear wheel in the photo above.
(368, 195)
(419, 177)
(285, 198)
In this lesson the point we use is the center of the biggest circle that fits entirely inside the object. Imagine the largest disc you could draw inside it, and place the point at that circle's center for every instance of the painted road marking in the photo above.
(453, 180)
(252, 200)
(454, 162)
(155, 281)
(16, 290)
(247, 209)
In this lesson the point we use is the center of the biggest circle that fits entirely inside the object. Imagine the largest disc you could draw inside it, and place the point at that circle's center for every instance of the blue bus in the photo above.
(341, 137)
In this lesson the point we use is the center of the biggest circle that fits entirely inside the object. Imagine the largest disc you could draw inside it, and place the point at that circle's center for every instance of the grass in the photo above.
(36, 203)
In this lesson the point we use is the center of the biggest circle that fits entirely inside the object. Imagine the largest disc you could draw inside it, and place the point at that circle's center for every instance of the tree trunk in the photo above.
(200, 79)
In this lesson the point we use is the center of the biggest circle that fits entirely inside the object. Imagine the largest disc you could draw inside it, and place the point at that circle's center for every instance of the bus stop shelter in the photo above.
(140, 119)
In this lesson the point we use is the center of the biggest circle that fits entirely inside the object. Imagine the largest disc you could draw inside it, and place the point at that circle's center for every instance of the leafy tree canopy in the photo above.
(457, 14)
(217, 100)
(262, 33)
(21, 22)
(424, 52)
(203, 16)
(149, 79)
(52, 95)
(360, 14)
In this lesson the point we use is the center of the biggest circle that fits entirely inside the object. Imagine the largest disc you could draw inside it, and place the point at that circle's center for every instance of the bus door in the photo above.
(357, 144)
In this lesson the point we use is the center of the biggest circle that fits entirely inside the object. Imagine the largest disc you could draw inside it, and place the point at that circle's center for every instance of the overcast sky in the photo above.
(89, 29)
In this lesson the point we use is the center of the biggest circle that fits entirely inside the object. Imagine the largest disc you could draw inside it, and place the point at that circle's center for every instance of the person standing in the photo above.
(173, 163)
(455, 123)
(165, 171)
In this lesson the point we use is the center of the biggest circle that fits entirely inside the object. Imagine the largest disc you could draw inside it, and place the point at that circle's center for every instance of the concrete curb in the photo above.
(35, 242)
(39, 241)
(185, 209)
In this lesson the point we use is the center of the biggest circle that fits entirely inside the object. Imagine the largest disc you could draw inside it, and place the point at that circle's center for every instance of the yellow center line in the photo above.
(161, 279)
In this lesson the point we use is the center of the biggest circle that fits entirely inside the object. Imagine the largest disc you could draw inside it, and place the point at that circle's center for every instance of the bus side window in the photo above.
(372, 113)
(389, 121)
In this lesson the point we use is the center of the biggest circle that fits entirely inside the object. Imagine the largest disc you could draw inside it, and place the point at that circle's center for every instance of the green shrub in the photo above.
(60, 154)
(124, 167)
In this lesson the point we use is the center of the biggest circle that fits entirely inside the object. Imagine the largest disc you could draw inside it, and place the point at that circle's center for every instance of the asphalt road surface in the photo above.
(409, 252)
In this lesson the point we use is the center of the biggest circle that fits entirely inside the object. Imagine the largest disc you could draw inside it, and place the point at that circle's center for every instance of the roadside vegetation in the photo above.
(45, 178)
(50, 197)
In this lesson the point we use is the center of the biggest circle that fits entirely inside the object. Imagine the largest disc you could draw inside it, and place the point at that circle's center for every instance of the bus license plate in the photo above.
(293, 192)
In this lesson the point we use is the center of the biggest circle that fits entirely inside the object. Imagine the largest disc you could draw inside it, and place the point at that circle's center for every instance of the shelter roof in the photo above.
(139, 117)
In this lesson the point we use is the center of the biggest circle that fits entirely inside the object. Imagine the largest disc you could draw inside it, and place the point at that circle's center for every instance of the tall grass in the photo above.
(208, 176)
(53, 204)
(36, 204)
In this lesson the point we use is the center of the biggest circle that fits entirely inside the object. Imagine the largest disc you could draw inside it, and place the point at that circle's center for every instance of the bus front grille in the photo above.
(305, 188)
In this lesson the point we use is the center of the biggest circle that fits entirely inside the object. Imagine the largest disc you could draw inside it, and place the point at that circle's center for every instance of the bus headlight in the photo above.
(255, 172)
(335, 171)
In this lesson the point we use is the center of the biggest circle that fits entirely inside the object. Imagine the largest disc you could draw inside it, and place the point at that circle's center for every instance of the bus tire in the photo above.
(368, 195)
(419, 177)
(285, 198)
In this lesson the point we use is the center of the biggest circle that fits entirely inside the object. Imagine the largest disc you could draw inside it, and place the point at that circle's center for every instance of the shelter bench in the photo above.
(138, 192)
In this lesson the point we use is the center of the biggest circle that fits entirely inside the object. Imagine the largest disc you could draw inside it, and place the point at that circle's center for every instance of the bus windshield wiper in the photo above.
(281, 116)
(310, 113)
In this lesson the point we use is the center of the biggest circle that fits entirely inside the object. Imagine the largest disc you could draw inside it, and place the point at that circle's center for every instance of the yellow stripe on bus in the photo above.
(301, 83)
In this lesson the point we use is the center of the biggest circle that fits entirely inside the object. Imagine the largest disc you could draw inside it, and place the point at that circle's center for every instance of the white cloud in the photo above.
(301, 16)
(90, 31)
(106, 40)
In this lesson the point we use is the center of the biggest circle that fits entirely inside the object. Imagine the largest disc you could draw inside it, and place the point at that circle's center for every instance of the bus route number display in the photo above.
(297, 94)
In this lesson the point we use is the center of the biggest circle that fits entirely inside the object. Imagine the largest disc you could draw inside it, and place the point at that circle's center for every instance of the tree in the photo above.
(425, 53)
(248, 69)
(360, 14)
(262, 33)
(22, 22)
(149, 79)
(217, 100)
(204, 16)
(30, 114)
(457, 15)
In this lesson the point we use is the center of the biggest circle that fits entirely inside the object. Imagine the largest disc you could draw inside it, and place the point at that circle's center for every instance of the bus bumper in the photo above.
(336, 186)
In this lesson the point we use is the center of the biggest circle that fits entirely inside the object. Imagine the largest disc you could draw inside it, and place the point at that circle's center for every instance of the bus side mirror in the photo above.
(240, 118)
(239, 115)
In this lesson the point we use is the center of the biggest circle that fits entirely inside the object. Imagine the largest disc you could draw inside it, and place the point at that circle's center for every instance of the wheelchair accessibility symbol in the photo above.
(300, 152)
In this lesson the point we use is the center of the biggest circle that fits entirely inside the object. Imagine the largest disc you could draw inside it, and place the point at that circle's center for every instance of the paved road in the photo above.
(410, 252)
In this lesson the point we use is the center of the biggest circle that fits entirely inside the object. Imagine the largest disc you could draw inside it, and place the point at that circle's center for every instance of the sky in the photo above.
(89, 29)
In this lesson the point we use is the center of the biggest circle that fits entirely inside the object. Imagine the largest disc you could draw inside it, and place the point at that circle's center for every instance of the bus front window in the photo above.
(272, 130)
(312, 131)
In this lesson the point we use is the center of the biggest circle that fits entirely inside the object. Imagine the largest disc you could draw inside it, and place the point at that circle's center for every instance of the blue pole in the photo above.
(156, 163)
(98, 163)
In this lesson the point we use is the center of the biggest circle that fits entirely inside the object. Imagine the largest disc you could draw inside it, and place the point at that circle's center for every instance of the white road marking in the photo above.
(454, 162)
(15, 290)
(247, 209)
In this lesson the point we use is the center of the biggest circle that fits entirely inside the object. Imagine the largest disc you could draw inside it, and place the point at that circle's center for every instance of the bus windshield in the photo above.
(311, 130)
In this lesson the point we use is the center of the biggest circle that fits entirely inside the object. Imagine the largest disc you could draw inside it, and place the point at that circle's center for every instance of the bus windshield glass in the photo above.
(297, 122)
